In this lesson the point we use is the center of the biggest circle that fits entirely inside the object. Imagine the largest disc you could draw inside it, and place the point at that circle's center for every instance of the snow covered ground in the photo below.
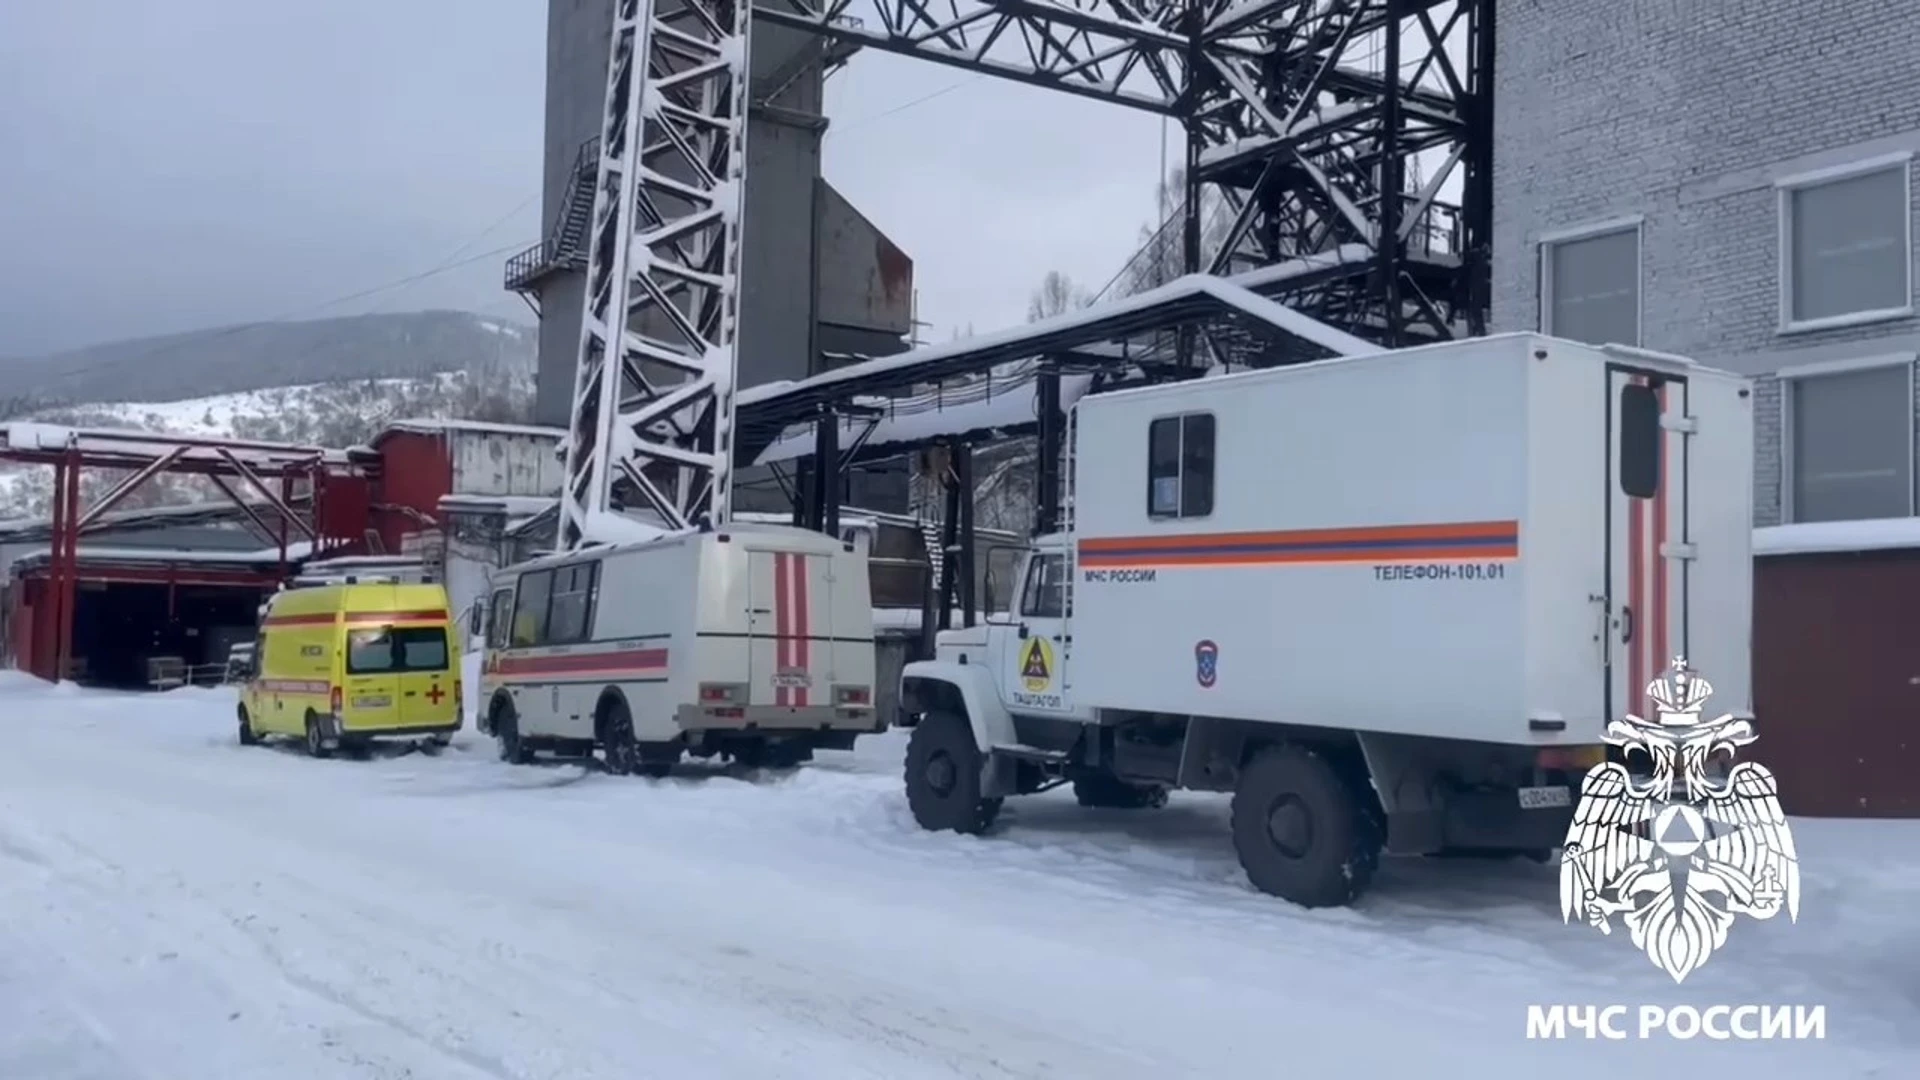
(175, 906)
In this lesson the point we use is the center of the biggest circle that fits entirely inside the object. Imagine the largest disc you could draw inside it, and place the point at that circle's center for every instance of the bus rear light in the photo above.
(722, 694)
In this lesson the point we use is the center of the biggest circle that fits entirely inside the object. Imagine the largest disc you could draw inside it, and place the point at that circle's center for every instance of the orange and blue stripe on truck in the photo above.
(1488, 540)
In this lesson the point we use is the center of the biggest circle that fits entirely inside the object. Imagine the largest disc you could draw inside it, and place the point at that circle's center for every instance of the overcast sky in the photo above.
(173, 164)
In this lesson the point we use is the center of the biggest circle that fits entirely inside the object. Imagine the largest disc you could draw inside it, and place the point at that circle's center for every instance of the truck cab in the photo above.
(1029, 646)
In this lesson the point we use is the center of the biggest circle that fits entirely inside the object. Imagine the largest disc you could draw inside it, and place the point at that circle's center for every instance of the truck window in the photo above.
(396, 649)
(1639, 441)
(1180, 466)
(499, 618)
(1045, 596)
(530, 609)
(571, 616)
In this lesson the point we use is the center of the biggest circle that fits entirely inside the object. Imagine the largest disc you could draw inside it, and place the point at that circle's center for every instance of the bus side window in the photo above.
(500, 619)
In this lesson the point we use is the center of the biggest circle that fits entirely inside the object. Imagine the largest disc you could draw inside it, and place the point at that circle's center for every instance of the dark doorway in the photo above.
(118, 628)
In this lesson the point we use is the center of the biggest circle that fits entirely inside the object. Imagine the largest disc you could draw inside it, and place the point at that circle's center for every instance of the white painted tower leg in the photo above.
(652, 419)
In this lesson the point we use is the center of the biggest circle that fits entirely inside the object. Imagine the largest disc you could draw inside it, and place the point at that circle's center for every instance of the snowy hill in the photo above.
(232, 359)
(336, 414)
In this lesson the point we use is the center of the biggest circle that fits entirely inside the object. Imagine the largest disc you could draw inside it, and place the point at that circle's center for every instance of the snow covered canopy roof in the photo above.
(766, 412)
(40, 530)
(433, 426)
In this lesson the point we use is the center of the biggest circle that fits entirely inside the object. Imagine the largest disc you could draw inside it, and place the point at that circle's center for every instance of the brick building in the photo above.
(1731, 182)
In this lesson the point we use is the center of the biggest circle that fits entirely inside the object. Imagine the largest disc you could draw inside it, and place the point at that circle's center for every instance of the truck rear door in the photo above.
(1647, 537)
(788, 597)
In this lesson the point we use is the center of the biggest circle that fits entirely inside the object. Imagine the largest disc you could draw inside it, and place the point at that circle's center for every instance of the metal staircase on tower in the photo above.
(564, 248)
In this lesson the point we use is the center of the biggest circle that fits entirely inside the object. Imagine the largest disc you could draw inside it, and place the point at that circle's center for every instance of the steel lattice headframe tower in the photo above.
(653, 386)
(1295, 124)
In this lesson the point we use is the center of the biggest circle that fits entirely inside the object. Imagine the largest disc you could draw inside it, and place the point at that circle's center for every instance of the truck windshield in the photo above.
(396, 649)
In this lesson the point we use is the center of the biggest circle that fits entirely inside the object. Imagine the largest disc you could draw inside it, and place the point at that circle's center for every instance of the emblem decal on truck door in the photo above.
(1206, 664)
(1036, 668)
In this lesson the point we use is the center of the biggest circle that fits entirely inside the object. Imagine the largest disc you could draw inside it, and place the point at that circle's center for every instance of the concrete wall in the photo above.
(783, 166)
(1685, 115)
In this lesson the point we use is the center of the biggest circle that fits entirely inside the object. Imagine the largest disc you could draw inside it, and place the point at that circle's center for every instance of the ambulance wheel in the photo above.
(316, 739)
(1300, 829)
(1112, 793)
(616, 739)
(943, 777)
(247, 735)
(506, 734)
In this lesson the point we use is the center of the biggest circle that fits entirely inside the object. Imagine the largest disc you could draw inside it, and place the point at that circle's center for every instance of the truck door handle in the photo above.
(1023, 630)
(1626, 624)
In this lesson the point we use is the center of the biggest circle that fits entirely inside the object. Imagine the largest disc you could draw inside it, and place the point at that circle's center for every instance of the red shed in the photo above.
(1836, 666)
(424, 460)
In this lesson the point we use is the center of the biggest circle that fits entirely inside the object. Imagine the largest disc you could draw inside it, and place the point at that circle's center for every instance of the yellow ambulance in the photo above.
(342, 665)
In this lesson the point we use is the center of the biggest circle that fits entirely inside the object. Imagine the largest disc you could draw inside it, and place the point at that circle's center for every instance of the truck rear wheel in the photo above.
(943, 777)
(1300, 830)
(247, 735)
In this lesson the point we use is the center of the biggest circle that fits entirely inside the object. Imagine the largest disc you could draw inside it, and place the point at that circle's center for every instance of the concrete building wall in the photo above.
(1678, 124)
(784, 208)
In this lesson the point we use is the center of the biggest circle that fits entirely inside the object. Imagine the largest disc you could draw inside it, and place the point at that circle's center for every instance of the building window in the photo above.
(1846, 246)
(1849, 442)
(1590, 284)
(1180, 466)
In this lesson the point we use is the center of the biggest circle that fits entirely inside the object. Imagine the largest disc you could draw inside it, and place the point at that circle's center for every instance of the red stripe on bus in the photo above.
(802, 626)
(623, 660)
(782, 627)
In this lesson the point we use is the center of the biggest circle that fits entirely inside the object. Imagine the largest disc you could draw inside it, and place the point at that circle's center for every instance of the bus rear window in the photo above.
(396, 649)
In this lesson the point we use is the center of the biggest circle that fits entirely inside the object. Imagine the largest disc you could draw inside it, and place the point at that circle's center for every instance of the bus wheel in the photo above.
(506, 733)
(616, 739)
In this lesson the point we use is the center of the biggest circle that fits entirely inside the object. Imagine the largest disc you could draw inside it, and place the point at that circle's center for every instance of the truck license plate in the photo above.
(1542, 798)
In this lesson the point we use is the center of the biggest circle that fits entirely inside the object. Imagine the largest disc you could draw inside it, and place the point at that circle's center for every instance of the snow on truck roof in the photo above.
(623, 533)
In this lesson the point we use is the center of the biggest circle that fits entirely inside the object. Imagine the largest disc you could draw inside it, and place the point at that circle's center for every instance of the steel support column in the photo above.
(1051, 444)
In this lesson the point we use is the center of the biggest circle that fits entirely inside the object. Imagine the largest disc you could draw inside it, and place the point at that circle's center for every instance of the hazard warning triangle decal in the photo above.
(1035, 665)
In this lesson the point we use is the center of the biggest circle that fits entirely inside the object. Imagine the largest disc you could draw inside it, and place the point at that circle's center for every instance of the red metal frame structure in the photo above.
(224, 462)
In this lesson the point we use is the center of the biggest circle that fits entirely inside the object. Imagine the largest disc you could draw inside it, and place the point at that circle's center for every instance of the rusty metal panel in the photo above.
(505, 463)
(1836, 681)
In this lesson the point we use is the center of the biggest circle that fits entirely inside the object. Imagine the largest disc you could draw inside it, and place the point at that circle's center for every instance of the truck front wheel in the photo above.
(1300, 830)
(943, 777)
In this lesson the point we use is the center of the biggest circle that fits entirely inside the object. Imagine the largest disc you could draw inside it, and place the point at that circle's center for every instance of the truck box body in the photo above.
(756, 626)
(1501, 539)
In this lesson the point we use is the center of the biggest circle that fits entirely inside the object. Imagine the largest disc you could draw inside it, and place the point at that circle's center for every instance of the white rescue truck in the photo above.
(752, 641)
(1389, 602)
